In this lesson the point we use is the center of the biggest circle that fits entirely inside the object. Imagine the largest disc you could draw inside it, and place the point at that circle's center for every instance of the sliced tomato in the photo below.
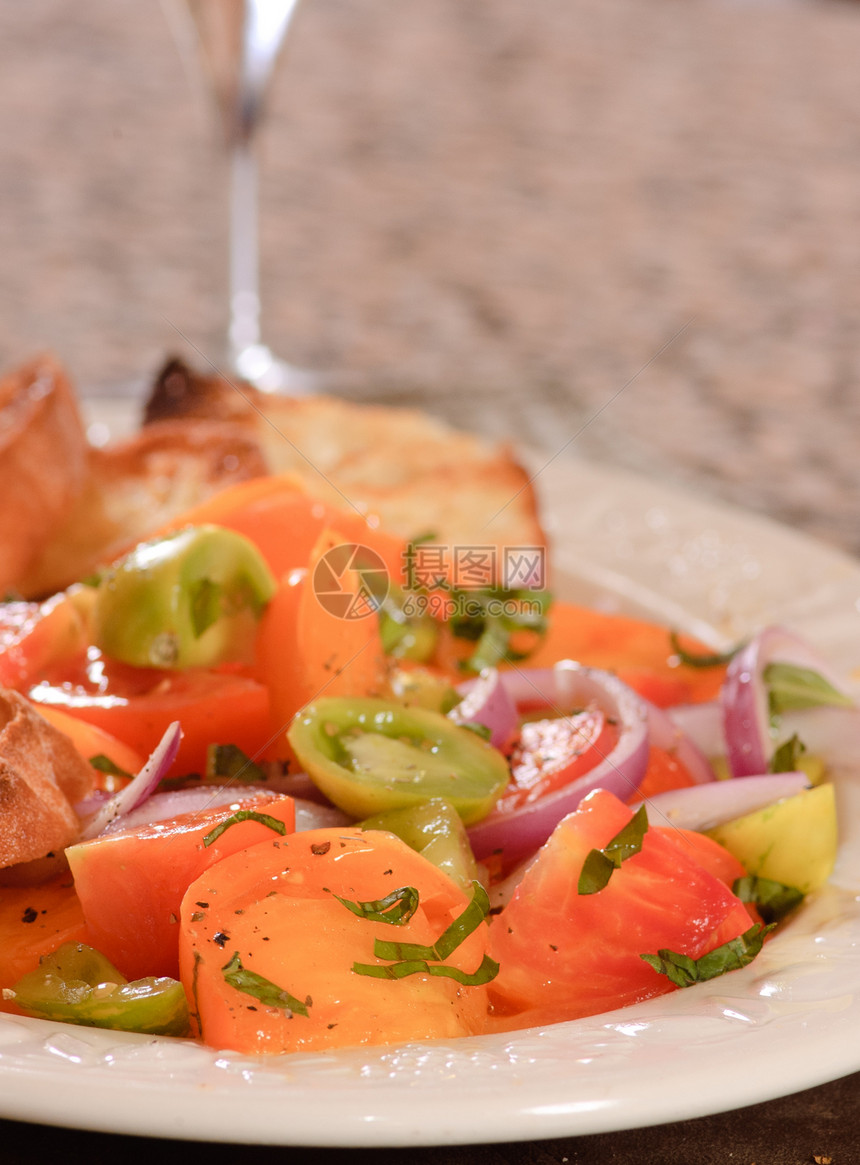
(638, 651)
(35, 637)
(91, 742)
(306, 650)
(35, 920)
(279, 913)
(130, 883)
(564, 954)
(707, 852)
(136, 705)
(285, 523)
(549, 754)
(664, 772)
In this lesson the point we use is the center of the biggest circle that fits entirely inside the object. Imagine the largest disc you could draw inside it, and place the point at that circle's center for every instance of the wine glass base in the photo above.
(259, 366)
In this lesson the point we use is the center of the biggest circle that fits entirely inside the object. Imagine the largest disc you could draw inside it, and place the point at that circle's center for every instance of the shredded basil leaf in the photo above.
(485, 973)
(105, 765)
(773, 900)
(479, 729)
(491, 632)
(702, 659)
(227, 762)
(449, 940)
(791, 687)
(415, 958)
(258, 987)
(492, 648)
(731, 956)
(406, 632)
(245, 815)
(600, 864)
(395, 908)
(786, 758)
(205, 605)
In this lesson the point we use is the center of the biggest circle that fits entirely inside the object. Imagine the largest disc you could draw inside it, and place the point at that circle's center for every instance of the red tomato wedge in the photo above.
(564, 954)
(711, 855)
(35, 920)
(638, 651)
(306, 649)
(91, 742)
(131, 883)
(136, 705)
(549, 754)
(285, 523)
(664, 772)
(35, 637)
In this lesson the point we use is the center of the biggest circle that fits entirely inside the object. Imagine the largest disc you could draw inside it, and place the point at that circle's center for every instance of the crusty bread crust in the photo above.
(43, 463)
(412, 471)
(42, 777)
(136, 485)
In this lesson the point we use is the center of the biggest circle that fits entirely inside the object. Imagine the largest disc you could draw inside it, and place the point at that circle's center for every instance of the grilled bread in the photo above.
(43, 463)
(42, 778)
(412, 471)
(408, 471)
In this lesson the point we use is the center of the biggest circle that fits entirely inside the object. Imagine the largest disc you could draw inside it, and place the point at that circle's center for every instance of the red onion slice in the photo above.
(194, 799)
(702, 807)
(664, 733)
(141, 787)
(537, 686)
(744, 697)
(703, 724)
(487, 701)
(568, 685)
(198, 798)
(313, 815)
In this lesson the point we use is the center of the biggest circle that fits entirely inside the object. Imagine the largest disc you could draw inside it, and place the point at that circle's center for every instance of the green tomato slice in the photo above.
(435, 830)
(191, 599)
(77, 984)
(370, 756)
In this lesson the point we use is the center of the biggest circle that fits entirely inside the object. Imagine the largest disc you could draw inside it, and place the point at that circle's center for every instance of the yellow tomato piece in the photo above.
(793, 841)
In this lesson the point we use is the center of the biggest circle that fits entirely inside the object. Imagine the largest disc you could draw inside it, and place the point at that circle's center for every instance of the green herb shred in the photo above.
(786, 758)
(395, 908)
(702, 659)
(791, 688)
(731, 956)
(415, 958)
(260, 988)
(773, 900)
(245, 815)
(227, 762)
(600, 864)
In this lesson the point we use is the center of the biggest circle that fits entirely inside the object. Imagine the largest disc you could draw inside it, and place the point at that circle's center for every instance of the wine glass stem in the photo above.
(244, 246)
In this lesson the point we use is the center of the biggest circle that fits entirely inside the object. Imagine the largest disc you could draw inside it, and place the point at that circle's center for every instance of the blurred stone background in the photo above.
(627, 226)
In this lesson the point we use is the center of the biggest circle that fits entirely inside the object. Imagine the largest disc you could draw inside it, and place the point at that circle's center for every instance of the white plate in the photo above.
(788, 1021)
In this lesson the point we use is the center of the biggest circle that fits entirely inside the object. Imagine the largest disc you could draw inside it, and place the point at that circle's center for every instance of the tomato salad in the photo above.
(309, 830)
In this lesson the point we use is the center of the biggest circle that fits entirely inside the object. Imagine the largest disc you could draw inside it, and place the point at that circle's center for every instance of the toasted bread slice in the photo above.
(43, 463)
(412, 471)
(409, 471)
(136, 485)
(42, 777)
